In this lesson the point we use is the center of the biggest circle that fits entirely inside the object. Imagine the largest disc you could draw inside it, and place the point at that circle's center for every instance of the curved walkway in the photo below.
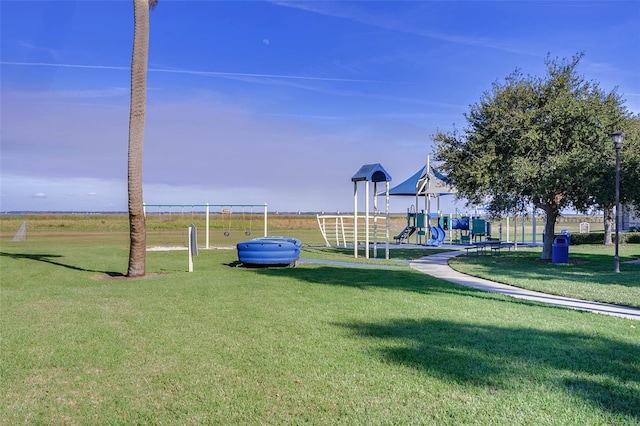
(437, 265)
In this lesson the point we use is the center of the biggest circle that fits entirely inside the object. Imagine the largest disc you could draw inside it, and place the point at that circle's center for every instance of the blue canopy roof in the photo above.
(421, 183)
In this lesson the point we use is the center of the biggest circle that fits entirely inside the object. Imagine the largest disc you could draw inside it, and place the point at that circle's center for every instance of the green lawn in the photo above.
(316, 344)
(589, 274)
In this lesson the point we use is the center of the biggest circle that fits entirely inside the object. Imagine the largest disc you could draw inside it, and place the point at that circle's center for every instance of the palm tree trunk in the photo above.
(137, 226)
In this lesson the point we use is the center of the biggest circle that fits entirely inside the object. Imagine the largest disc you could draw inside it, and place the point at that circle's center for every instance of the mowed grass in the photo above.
(316, 344)
(588, 275)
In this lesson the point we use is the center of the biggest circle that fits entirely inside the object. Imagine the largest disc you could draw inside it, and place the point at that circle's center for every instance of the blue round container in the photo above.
(269, 251)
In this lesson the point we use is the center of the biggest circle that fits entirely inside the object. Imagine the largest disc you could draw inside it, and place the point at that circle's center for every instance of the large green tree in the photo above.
(630, 158)
(602, 185)
(137, 112)
(533, 141)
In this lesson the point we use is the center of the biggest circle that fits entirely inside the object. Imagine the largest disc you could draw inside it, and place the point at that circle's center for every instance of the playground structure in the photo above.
(424, 226)
(420, 224)
(346, 228)
(469, 228)
(370, 173)
(339, 230)
(426, 183)
(233, 220)
(465, 228)
(431, 228)
(437, 232)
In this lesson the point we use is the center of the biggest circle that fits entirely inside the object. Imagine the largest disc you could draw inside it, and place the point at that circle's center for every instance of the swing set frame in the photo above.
(224, 209)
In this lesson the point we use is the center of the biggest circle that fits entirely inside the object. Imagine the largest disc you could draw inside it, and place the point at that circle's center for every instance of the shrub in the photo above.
(590, 238)
(598, 238)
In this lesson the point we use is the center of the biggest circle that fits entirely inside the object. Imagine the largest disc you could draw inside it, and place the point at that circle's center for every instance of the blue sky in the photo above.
(270, 102)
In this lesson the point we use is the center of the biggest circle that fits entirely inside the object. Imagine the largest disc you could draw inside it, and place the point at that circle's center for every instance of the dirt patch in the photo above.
(123, 277)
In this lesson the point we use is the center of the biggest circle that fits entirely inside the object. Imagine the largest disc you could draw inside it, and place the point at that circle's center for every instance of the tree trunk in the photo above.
(549, 232)
(137, 227)
(608, 226)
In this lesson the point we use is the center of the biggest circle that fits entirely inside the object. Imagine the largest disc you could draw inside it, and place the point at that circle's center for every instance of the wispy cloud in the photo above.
(364, 17)
(193, 72)
(74, 95)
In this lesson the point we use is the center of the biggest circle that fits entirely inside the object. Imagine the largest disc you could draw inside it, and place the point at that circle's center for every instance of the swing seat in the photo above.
(275, 251)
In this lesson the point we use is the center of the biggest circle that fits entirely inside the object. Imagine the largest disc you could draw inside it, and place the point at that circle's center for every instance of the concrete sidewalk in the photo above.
(437, 265)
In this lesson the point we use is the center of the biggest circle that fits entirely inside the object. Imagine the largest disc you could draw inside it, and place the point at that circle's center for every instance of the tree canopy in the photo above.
(541, 141)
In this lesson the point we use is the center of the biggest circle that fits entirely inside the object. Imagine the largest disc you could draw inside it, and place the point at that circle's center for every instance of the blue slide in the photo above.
(441, 235)
(437, 236)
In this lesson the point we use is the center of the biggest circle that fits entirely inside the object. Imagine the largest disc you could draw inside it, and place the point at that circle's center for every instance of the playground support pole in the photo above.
(427, 199)
(366, 220)
(190, 254)
(533, 226)
(386, 250)
(206, 244)
(375, 220)
(192, 237)
(265, 219)
(355, 220)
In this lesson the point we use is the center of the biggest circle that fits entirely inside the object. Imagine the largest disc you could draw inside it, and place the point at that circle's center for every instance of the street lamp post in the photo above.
(617, 143)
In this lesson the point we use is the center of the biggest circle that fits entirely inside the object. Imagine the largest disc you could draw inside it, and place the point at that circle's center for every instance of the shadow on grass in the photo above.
(49, 258)
(602, 371)
(391, 279)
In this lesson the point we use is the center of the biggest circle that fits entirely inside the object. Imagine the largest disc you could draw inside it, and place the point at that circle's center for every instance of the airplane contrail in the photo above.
(192, 72)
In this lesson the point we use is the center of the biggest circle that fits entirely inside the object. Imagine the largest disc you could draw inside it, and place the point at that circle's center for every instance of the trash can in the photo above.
(560, 250)
(566, 233)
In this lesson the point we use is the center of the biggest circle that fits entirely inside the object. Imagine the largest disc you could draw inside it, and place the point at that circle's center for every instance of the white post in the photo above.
(450, 230)
(515, 231)
(386, 250)
(375, 220)
(533, 226)
(265, 219)
(366, 219)
(355, 220)
(207, 225)
(508, 229)
(189, 244)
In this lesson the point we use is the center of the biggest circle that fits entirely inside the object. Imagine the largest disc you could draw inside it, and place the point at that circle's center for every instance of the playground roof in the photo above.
(371, 172)
(421, 183)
